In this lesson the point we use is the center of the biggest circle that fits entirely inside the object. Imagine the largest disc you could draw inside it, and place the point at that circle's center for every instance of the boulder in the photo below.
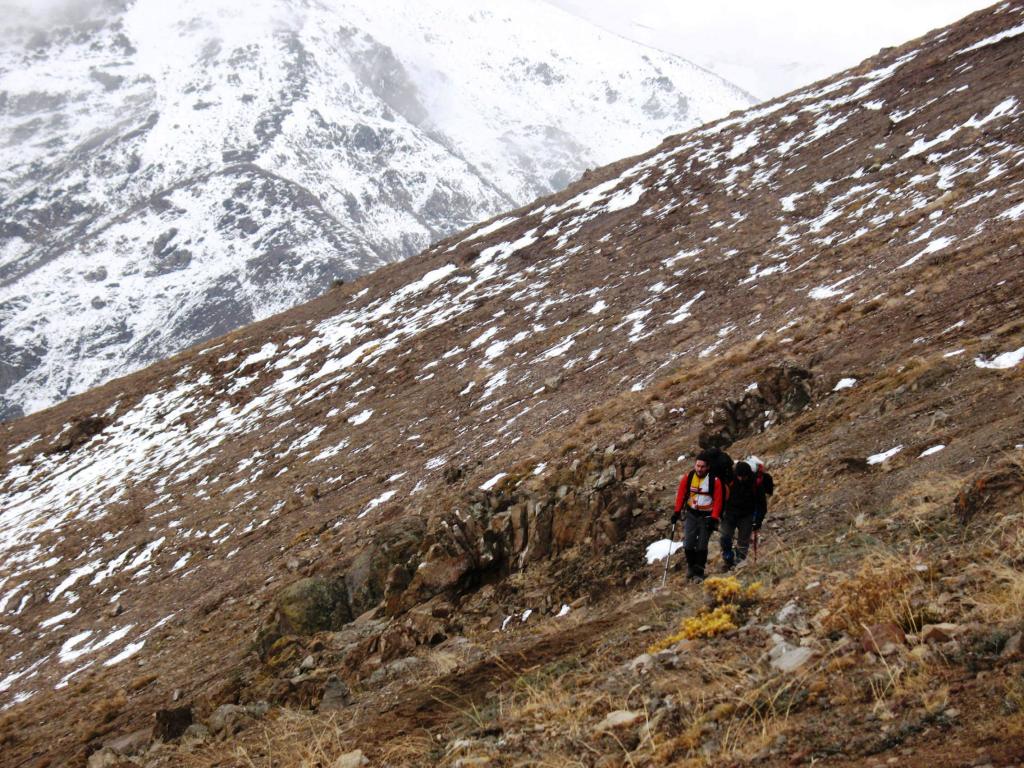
(133, 743)
(312, 605)
(336, 695)
(620, 718)
(940, 633)
(353, 759)
(229, 719)
(883, 639)
(793, 659)
(170, 724)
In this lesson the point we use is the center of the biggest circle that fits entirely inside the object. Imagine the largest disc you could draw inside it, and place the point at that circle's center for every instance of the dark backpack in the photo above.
(721, 465)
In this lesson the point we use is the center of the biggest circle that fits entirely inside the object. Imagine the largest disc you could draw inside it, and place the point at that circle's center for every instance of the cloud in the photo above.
(771, 48)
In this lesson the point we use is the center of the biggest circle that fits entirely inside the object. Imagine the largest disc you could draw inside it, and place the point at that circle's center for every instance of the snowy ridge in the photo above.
(171, 171)
(656, 265)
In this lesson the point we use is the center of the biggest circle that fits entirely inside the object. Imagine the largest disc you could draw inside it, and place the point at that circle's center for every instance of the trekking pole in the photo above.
(668, 556)
(755, 546)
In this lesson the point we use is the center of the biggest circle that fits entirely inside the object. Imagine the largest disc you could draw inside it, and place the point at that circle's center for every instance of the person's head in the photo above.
(743, 471)
(702, 465)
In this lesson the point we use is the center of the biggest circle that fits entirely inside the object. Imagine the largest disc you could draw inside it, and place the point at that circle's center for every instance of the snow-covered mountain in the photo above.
(170, 171)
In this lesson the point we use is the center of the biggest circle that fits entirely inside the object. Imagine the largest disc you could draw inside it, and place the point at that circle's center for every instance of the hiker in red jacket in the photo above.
(701, 495)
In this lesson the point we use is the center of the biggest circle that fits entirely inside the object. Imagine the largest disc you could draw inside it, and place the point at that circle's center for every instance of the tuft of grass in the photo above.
(888, 587)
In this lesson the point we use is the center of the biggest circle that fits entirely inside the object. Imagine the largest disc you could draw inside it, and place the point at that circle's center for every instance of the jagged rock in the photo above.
(553, 383)
(229, 719)
(884, 639)
(620, 718)
(940, 633)
(307, 664)
(376, 568)
(132, 743)
(336, 695)
(353, 759)
(170, 724)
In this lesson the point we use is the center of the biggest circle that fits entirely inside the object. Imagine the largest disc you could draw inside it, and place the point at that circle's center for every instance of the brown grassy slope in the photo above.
(890, 327)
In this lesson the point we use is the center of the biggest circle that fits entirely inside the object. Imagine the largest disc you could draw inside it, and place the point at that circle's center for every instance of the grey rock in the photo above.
(336, 695)
(793, 659)
(133, 743)
(229, 719)
(196, 732)
(353, 759)
(620, 718)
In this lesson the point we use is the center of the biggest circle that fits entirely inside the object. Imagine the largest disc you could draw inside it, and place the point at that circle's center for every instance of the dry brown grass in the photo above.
(925, 503)
(887, 587)
(1001, 599)
(293, 738)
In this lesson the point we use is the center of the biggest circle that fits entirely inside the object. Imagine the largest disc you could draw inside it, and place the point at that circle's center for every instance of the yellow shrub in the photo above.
(727, 589)
(728, 597)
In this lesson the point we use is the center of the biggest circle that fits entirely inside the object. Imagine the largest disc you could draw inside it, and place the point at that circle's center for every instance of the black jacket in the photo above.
(742, 498)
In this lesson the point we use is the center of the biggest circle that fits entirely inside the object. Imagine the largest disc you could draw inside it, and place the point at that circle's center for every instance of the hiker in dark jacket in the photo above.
(765, 487)
(738, 520)
(701, 496)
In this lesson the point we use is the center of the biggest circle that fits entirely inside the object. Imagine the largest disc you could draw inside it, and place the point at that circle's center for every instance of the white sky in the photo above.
(770, 47)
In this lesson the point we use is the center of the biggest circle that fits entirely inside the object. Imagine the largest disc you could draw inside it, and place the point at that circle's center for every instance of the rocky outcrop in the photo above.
(782, 391)
(409, 565)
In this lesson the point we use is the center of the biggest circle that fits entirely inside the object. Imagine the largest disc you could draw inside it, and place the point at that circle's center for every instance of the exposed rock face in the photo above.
(781, 392)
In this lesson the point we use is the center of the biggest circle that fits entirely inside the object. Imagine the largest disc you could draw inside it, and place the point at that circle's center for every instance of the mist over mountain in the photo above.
(170, 171)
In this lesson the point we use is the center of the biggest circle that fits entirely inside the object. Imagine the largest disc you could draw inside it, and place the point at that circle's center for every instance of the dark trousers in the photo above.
(696, 535)
(738, 526)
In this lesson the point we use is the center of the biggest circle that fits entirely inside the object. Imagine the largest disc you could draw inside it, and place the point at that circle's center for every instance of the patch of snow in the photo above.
(493, 481)
(844, 384)
(662, 548)
(878, 458)
(360, 418)
(929, 451)
(1003, 361)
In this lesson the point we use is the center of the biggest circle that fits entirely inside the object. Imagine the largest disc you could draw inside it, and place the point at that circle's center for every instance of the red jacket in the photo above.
(717, 494)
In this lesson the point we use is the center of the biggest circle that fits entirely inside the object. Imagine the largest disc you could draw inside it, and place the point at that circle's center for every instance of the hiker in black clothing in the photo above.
(738, 519)
(764, 487)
